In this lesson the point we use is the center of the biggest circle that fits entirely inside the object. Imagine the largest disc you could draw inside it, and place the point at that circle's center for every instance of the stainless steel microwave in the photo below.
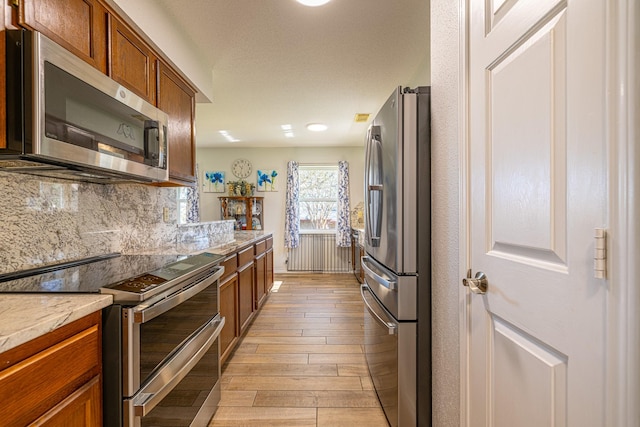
(68, 120)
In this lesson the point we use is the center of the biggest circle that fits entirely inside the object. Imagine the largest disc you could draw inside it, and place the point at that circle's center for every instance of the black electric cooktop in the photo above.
(133, 273)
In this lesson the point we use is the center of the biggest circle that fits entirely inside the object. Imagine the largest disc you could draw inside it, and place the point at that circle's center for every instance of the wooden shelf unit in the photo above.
(247, 210)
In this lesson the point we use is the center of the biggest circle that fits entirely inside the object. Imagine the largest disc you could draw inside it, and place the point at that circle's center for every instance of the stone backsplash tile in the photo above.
(46, 221)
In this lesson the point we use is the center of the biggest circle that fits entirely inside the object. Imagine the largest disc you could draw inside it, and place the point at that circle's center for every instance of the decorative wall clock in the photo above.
(241, 168)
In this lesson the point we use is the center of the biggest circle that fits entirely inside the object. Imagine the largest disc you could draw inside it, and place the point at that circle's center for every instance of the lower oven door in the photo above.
(390, 349)
(185, 389)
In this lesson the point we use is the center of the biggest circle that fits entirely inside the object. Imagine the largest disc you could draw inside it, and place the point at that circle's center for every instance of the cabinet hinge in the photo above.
(600, 253)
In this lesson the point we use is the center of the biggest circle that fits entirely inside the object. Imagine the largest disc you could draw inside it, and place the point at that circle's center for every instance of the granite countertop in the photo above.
(242, 238)
(25, 317)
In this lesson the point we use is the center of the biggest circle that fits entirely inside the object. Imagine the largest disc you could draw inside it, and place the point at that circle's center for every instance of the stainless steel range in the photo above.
(160, 337)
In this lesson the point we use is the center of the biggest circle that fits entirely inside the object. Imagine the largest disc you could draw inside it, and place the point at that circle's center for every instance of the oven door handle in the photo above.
(143, 313)
(391, 327)
(176, 368)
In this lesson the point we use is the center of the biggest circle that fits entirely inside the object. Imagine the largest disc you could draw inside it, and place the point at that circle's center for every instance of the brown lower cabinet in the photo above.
(260, 288)
(229, 310)
(269, 271)
(245, 287)
(247, 280)
(55, 379)
(79, 409)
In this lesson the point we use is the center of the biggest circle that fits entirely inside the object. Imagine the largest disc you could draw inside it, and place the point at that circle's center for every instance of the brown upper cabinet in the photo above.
(132, 62)
(94, 32)
(177, 99)
(78, 25)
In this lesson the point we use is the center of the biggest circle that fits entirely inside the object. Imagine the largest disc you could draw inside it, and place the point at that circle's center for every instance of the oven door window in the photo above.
(162, 335)
(189, 398)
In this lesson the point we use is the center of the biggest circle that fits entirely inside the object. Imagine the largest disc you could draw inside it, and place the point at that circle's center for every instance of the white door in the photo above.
(537, 192)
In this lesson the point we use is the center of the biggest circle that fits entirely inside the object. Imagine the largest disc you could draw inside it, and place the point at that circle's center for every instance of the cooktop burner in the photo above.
(129, 273)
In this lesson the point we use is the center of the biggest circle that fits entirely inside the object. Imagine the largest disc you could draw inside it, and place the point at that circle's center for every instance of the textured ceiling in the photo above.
(277, 62)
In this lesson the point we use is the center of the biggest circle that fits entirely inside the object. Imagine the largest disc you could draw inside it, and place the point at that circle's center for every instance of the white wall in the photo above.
(445, 140)
(220, 159)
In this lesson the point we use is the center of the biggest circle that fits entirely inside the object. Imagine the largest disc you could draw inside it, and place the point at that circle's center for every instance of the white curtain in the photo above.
(292, 208)
(193, 201)
(343, 226)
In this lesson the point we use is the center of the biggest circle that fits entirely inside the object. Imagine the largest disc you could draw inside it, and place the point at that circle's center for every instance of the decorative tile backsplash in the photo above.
(46, 221)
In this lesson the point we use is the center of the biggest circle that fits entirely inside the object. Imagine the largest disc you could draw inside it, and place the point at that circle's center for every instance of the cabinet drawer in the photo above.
(230, 265)
(47, 377)
(260, 247)
(245, 256)
(269, 242)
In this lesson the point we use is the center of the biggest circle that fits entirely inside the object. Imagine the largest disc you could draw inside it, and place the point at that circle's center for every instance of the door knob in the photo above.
(478, 284)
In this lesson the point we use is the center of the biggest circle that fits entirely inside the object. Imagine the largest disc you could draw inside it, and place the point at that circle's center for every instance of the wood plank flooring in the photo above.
(301, 363)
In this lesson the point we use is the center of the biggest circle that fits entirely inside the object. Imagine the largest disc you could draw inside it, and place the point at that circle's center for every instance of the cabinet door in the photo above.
(78, 25)
(132, 62)
(360, 270)
(268, 284)
(42, 373)
(245, 295)
(177, 99)
(82, 408)
(261, 268)
(229, 310)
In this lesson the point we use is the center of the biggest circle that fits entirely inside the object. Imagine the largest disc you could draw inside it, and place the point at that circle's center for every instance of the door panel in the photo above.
(537, 191)
(526, 173)
(529, 380)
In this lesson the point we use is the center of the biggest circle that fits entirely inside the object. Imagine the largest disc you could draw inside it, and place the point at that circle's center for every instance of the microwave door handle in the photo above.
(389, 284)
(176, 368)
(152, 133)
(391, 327)
(143, 313)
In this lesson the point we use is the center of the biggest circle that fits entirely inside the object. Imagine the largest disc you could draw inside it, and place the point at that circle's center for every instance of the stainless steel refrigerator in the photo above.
(397, 265)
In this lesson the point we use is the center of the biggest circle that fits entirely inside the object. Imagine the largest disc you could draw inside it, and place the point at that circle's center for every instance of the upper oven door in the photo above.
(79, 116)
(153, 331)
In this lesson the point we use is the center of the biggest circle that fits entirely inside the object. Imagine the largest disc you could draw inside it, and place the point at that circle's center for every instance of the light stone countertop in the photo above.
(242, 238)
(24, 317)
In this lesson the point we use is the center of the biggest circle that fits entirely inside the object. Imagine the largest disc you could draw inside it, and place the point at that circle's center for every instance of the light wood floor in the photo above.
(301, 362)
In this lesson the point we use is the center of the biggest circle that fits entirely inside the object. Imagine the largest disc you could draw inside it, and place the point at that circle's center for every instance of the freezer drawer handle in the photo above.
(391, 327)
(391, 284)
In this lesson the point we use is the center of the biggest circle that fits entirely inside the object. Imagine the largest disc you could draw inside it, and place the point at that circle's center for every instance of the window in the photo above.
(318, 197)
(183, 195)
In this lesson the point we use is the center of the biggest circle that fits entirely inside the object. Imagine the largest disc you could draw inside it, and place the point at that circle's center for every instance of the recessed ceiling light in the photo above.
(316, 127)
(227, 136)
(313, 3)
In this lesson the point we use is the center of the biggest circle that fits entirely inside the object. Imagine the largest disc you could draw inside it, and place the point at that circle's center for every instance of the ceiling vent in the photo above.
(361, 117)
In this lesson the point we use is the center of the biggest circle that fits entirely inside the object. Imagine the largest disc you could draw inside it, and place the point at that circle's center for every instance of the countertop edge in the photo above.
(25, 317)
(243, 239)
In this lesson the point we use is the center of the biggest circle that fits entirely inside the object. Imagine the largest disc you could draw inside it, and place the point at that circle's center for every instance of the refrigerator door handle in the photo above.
(387, 283)
(374, 186)
(391, 327)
